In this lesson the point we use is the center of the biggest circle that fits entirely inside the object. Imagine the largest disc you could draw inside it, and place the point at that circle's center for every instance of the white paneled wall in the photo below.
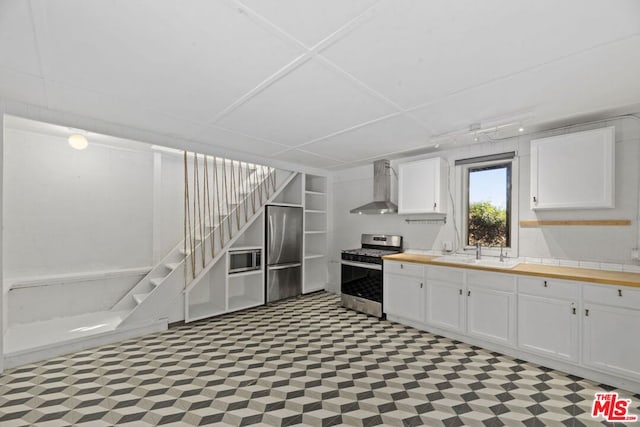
(70, 211)
(82, 227)
(354, 187)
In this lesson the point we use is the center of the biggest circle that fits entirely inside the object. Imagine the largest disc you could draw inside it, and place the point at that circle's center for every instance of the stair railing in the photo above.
(229, 190)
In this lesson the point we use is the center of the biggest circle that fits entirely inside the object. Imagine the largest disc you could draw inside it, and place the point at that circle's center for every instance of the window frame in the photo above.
(463, 208)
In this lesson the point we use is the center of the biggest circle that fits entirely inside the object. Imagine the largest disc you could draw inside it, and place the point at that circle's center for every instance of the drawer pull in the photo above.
(468, 293)
(545, 283)
(401, 266)
(421, 285)
(573, 310)
(619, 292)
(460, 291)
(586, 312)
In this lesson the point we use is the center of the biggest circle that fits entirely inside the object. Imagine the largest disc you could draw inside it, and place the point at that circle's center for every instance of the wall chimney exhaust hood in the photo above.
(382, 203)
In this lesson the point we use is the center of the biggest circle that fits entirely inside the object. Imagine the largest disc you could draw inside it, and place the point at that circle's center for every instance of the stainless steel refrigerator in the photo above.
(284, 252)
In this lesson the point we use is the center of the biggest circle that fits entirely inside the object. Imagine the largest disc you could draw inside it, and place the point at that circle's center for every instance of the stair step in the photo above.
(172, 266)
(156, 281)
(140, 297)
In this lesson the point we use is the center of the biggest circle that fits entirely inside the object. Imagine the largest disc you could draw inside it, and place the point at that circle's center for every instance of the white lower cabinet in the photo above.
(444, 305)
(404, 293)
(610, 338)
(491, 307)
(548, 318)
(588, 328)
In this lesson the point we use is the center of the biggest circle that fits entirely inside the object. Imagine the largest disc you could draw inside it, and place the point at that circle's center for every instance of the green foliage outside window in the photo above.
(487, 224)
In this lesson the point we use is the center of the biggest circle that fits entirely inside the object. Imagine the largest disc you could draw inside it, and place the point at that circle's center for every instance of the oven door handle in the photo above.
(362, 265)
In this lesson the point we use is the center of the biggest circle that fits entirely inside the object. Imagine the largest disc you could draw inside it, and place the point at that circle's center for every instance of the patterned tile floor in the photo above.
(304, 361)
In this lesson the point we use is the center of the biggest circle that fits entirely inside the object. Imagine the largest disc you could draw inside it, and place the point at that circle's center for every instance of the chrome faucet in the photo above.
(478, 251)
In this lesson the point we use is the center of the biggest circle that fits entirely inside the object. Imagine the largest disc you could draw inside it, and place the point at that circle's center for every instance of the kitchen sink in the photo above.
(491, 262)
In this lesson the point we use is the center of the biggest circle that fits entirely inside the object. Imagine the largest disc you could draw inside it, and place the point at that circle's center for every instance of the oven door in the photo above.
(362, 280)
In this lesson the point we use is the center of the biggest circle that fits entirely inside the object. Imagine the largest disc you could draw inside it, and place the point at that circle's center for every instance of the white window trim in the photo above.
(461, 207)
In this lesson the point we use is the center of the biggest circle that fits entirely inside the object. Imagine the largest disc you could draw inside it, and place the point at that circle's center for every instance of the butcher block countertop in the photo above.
(606, 277)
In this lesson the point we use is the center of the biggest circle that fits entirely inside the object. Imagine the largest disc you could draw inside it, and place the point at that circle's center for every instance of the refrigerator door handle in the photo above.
(283, 266)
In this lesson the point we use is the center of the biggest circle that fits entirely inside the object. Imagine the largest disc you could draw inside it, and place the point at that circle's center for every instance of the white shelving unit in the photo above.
(209, 298)
(315, 268)
(221, 292)
(246, 289)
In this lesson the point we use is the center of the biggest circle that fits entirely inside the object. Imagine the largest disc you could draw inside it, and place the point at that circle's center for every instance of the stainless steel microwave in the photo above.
(244, 260)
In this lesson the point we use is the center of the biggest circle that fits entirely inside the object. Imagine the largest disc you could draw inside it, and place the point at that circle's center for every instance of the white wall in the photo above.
(354, 187)
(70, 211)
(82, 227)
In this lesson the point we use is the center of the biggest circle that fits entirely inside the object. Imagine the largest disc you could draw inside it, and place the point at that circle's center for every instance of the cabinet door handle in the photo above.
(468, 293)
(535, 200)
(619, 292)
(545, 283)
(573, 310)
(460, 291)
(586, 312)
(435, 205)
(421, 285)
(401, 266)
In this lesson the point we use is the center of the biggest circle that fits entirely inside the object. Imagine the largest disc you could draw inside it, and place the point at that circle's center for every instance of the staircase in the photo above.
(206, 243)
(228, 199)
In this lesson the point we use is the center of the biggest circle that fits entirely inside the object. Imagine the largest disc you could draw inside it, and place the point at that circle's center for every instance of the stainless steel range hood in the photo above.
(382, 203)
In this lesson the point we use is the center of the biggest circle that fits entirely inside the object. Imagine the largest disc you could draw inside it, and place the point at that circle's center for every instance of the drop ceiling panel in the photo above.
(308, 159)
(24, 87)
(599, 79)
(115, 110)
(188, 61)
(391, 135)
(311, 102)
(218, 137)
(418, 52)
(17, 40)
(309, 21)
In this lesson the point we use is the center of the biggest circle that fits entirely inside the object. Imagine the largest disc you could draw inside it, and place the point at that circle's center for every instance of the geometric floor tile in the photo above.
(306, 361)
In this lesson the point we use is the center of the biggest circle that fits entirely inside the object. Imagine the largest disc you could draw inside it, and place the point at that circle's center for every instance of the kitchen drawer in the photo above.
(446, 274)
(495, 281)
(404, 268)
(618, 296)
(548, 288)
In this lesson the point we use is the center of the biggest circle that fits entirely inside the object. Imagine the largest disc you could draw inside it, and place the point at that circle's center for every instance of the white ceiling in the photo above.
(324, 83)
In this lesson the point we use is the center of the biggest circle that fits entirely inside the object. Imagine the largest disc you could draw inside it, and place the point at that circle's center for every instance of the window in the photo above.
(487, 189)
(488, 213)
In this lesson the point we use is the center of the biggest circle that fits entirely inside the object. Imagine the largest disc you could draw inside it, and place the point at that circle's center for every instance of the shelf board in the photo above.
(243, 301)
(315, 211)
(314, 256)
(204, 310)
(288, 205)
(315, 193)
(244, 248)
(244, 274)
(315, 232)
(599, 222)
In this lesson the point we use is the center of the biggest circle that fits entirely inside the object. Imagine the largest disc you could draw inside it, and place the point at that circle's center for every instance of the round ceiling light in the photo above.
(78, 141)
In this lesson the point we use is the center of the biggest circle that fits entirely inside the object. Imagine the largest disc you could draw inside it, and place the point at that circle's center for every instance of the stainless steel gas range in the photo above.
(361, 272)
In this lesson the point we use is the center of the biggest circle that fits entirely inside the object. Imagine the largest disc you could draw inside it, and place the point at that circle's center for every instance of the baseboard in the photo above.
(32, 355)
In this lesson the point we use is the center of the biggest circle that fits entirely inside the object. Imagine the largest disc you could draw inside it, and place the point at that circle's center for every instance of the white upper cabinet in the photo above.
(422, 186)
(573, 171)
